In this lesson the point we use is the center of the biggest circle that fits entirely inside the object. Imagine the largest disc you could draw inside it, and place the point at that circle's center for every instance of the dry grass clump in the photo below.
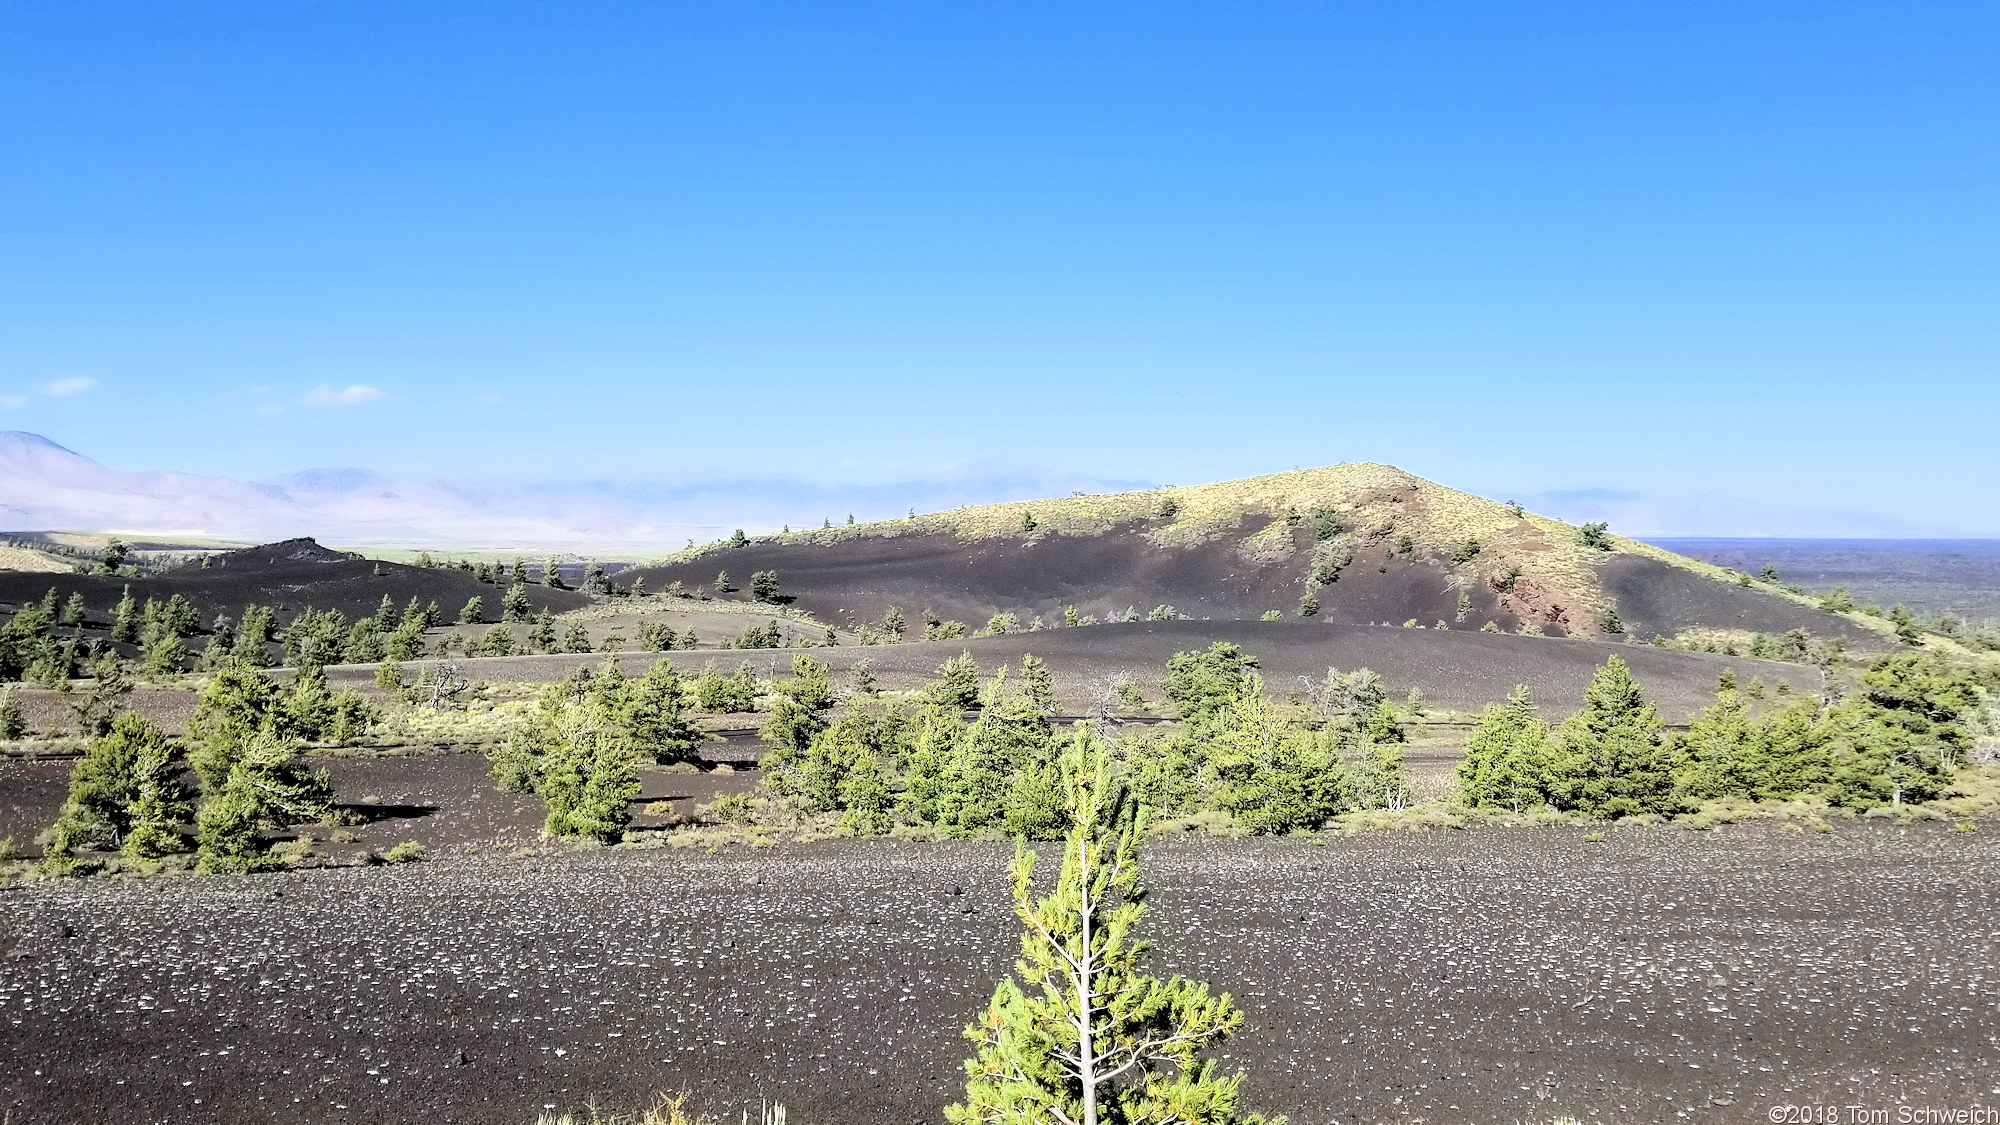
(1800, 812)
(1730, 641)
(1416, 818)
(666, 1110)
(1975, 793)
(409, 851)
(480, 720)
(1210, 822)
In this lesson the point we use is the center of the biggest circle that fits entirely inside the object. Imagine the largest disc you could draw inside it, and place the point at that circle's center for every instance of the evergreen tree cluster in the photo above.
(1902, 737)
(1271, 768)
(888, 632)
(924, 763)
(581, 747)
(660, 636)
(717, 694)
(45, 641)
(1796, 646)
(128, 793)
(964, 757)
(31, 648)
(936, 630)
(766, 635)
(315, 638)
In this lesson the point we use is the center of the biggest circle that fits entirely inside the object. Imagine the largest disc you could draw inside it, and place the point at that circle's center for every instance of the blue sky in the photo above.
(1701, 255)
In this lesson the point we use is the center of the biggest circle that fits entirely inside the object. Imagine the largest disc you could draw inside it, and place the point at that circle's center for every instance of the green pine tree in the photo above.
(956, 685)
(234, 705)
(1719, 749)
(252, 637)
(473, 612)
(498, 641)
(112, 557)
(104, 788)
(1039, 682)
(655, 713)
(1204, 683)
(13, 724)
(125, 619)
(1506, 755)
(1906, 626)
(266, 787)
(1084, 1034)
(389, 675)
(159, 805)
(514, 604)
(166, 655)
(588, 778)
(1611, 758)
(1273, 775)
(800, 713)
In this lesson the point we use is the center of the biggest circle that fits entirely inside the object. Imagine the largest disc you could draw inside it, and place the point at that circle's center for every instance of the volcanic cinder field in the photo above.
(1638, 973)
(1484, 975)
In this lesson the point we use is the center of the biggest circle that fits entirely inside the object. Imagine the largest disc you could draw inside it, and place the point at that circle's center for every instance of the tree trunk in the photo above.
(1085, 1049)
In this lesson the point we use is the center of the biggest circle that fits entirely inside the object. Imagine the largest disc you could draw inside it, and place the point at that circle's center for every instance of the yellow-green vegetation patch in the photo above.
(1727, 641)
(479, 720)
(1274, 542)
(37, 562)
(659, 605)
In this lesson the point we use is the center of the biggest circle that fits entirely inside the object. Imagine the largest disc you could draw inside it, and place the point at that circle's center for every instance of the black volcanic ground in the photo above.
(857, 579)
(1455, 670)
(1485, 975)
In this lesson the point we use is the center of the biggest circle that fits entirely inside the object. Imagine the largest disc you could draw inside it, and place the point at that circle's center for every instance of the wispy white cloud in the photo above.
(356, 395)
(12, 402)
(63, 388)
(270, 408)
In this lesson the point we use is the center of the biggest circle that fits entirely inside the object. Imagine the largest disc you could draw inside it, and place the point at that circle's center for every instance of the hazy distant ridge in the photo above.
(44, 485)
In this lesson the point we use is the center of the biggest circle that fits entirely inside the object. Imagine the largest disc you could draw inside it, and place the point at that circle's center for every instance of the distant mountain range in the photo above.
(45, 486)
